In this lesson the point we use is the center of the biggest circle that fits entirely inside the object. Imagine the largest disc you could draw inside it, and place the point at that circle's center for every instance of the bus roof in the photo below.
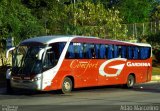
(46, 39)
(85, 39)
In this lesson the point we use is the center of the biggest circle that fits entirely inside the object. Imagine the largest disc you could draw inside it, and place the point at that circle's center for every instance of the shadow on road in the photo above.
(58, 92)
(148, 87)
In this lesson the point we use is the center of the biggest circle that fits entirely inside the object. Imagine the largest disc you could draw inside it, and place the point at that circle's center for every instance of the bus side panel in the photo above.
(87, 73)
(84, 72)
(142, 72)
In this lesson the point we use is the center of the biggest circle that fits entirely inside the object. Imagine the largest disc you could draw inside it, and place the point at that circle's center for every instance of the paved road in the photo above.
(110, 98)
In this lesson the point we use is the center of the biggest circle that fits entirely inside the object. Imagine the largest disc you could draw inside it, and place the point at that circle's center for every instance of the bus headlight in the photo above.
(36, 78)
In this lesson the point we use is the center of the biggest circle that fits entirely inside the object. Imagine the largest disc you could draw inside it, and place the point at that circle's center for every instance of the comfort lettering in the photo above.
(85, 65)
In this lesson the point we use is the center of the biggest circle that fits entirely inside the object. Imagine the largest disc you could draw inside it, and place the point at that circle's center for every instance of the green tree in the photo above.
(16, 21)
(135, 11)
(155, 15)
(49, 13)
(87, 18)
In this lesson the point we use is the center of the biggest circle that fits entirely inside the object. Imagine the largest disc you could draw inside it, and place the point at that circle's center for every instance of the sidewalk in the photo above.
(156, 78)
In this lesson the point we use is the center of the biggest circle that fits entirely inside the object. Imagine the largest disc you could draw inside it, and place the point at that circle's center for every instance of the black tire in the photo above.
(67, 85)
(130, 81)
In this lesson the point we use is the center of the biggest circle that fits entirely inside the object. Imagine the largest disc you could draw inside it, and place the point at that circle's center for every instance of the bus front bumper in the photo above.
(26, 84)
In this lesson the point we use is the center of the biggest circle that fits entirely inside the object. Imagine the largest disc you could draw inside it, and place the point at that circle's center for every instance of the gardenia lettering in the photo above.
(130, 64)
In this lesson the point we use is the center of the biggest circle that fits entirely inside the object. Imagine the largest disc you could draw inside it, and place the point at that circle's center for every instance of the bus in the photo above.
(66, 62)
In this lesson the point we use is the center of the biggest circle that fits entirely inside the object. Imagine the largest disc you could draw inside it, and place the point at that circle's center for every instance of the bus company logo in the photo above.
(109, 65)
(130, 64)
(117, 65)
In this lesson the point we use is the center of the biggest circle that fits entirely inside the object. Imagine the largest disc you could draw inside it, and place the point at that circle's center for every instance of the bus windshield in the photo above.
(25, 60)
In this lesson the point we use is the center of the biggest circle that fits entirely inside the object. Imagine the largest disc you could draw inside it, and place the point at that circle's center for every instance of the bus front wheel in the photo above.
(130, 81)
(67, 85)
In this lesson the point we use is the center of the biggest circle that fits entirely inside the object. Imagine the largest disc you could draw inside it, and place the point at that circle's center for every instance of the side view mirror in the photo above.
(9, 50)
(41, 52)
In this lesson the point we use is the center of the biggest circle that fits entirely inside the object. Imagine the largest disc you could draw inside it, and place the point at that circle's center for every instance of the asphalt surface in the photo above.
(143, 97)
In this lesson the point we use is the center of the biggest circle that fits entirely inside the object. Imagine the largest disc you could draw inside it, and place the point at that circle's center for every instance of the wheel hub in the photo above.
(67, 85)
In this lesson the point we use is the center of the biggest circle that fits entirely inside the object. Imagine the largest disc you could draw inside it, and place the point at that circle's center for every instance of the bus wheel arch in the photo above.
(131, 80)
(67, 84)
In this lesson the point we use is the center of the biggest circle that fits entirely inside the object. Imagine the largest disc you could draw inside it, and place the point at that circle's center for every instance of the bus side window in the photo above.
(119, 51)
(130, 52)
(81, 50)
(60, 48)
(76, 50)
(110, 52)
(116, 51)
(93, 51)
(70, 52)
(97, 50)
(135, 53)
(102, 51)
(147, 52)
(87, 51)
(124, 52)
(144, 52)
(49, 59)
(57, 53)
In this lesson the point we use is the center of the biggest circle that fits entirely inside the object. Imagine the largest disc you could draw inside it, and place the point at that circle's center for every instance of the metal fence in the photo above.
(138, 30)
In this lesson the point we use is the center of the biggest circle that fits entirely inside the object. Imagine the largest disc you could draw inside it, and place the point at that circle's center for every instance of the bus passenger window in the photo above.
(102, 51)
(147, 52)
(119, 51)
(116, 51)
(70, 52)
(97, 50)
(60, 47)
(130, 52)
(78, 50)
(81, 50)
(144, 52)
(87, 51)
(93, 52)
(110, 52)
(124, 52)
(135, 53)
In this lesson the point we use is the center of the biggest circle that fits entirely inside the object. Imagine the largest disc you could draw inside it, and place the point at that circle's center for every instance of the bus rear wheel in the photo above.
(130, 81)
(67, 85)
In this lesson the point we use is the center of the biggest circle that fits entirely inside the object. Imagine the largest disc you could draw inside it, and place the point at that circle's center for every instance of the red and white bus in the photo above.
(66, 62)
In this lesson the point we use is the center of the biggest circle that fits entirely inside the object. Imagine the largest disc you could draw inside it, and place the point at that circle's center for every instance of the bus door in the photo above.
(50, 60)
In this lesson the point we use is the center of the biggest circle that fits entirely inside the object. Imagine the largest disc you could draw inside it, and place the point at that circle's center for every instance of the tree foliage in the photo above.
(27, 18)
(17, 21)
(155, 15)
(50, 13)
(93, 19)
(135, 11)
